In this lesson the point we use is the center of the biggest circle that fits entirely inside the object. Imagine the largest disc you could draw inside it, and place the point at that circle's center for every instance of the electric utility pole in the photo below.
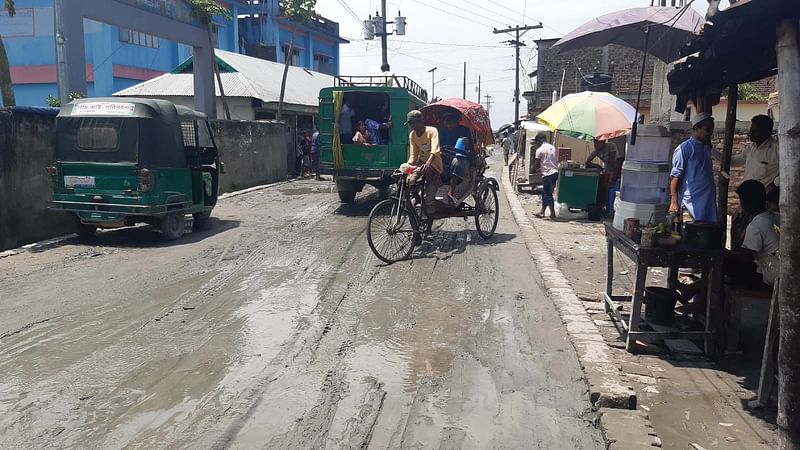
(378, 26)
(479, 89)
(488, 103)
(464, 86)
(517, 44)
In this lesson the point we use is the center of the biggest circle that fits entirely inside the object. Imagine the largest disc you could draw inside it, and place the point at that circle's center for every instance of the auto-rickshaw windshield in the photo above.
(142, 141)
(97, 139)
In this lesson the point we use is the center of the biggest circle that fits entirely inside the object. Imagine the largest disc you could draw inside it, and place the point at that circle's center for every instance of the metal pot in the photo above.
(703, 235)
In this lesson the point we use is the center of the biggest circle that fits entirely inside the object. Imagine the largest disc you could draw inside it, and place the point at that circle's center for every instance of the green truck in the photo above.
(383, 100)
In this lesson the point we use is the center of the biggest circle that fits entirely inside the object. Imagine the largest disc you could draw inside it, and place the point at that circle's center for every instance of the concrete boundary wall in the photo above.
(254, 154)
(26, 149)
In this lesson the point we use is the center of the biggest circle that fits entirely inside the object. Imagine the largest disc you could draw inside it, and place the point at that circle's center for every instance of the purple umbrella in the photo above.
(659, 31)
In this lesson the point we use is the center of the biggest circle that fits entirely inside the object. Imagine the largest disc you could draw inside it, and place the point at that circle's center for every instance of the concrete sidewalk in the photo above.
(687, 398)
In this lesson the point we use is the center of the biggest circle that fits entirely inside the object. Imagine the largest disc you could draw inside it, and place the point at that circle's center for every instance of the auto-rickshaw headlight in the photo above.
(145, 180)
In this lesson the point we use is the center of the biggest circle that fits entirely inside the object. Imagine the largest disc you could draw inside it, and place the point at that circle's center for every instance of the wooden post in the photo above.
(788, 52)
(727, 152)
(286, 64)
(227, 110)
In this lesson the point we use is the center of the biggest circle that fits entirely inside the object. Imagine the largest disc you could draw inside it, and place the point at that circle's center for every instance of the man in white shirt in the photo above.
(761, 164)
(761, 157)
(746, 265)
(548, 158)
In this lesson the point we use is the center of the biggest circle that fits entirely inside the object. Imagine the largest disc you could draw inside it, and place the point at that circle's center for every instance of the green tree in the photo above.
(748, 92)
(6, 90)
(299, 8)
(55, 102)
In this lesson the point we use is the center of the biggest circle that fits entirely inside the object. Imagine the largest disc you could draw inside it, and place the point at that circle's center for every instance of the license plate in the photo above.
(73, 181)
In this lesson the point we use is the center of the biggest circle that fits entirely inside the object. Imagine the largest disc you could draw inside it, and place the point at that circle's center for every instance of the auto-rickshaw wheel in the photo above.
(202, 220)
(86, 231)
(172, 226)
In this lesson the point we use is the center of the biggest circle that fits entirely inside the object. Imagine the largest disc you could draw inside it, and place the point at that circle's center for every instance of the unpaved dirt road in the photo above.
(278, 328)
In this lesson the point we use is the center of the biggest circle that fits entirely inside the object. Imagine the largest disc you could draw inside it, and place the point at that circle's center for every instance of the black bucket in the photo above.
(595, 212)
(660, 305)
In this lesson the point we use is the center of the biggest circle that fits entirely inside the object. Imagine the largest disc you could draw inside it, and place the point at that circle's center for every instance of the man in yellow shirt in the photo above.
(424, 150)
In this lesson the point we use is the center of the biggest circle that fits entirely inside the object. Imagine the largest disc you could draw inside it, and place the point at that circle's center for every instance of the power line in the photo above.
(524, 11)
(453, 44)
(483, 7)
(452, 14)
(351, 12)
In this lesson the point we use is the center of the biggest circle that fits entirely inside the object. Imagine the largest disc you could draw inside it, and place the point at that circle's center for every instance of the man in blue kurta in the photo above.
(692, 183)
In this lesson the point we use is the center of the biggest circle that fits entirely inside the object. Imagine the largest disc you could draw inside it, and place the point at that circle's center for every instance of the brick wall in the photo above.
(624, 64)
(682, 130)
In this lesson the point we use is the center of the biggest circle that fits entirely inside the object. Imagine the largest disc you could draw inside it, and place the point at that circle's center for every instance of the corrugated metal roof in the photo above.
(256, 78)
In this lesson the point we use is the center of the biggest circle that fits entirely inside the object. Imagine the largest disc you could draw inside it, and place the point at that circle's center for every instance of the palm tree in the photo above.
(6, 91)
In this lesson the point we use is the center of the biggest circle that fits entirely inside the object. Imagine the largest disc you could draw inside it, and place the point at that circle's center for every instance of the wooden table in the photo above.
(709, 261)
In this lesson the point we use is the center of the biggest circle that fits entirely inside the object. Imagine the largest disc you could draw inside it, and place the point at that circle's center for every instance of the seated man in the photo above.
(745, 266)
(448, 137)
(424, 150)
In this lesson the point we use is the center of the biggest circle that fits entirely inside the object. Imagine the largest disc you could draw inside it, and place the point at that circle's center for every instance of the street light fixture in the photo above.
(433, 84)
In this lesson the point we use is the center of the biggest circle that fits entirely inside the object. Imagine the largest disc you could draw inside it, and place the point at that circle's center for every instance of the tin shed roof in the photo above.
(242, 76)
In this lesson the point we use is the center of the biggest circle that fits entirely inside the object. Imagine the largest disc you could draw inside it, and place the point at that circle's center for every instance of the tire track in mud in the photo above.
(113, 366)
(302, 351)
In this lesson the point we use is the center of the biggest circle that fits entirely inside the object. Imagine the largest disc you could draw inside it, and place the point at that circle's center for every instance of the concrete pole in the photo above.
(788, 55)
(516, 81)
(70, 51)
(384, 39)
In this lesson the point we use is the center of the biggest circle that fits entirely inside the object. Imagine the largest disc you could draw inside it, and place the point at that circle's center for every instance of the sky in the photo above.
(446, 33)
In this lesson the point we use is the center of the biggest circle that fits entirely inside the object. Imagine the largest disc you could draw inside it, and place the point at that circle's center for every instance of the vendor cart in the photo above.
(577, 186)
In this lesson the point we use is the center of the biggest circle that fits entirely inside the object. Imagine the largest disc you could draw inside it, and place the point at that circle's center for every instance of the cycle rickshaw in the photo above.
(397, 225)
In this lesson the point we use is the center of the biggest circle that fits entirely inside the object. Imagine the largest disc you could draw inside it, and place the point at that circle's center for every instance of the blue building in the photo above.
(118, 58)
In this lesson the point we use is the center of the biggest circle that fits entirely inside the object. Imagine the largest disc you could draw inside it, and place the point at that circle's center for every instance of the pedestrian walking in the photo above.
(548, 159)
(507, 141)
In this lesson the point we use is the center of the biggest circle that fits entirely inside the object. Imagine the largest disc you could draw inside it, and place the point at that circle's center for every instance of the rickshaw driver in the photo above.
(424, 149)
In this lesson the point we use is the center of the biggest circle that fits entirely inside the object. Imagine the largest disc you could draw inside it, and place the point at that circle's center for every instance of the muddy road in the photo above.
(278, 328)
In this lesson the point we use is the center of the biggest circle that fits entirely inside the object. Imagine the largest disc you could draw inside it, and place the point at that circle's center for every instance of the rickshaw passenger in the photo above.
(448, 137)
(424, 150)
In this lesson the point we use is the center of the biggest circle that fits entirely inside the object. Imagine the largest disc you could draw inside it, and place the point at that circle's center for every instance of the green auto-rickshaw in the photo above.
(123, 161)
(381, 100)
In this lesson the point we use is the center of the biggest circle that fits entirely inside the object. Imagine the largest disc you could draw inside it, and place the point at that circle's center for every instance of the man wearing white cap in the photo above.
(692, 184)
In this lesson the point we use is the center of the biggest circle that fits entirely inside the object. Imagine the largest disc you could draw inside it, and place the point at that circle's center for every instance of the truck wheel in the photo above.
(347, 196)
(86, 232)
(202, 221)
(172, 226)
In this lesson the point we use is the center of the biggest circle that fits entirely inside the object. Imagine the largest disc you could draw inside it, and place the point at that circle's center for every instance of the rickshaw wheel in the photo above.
(487, 212)
(390, 231)
(172, 226)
